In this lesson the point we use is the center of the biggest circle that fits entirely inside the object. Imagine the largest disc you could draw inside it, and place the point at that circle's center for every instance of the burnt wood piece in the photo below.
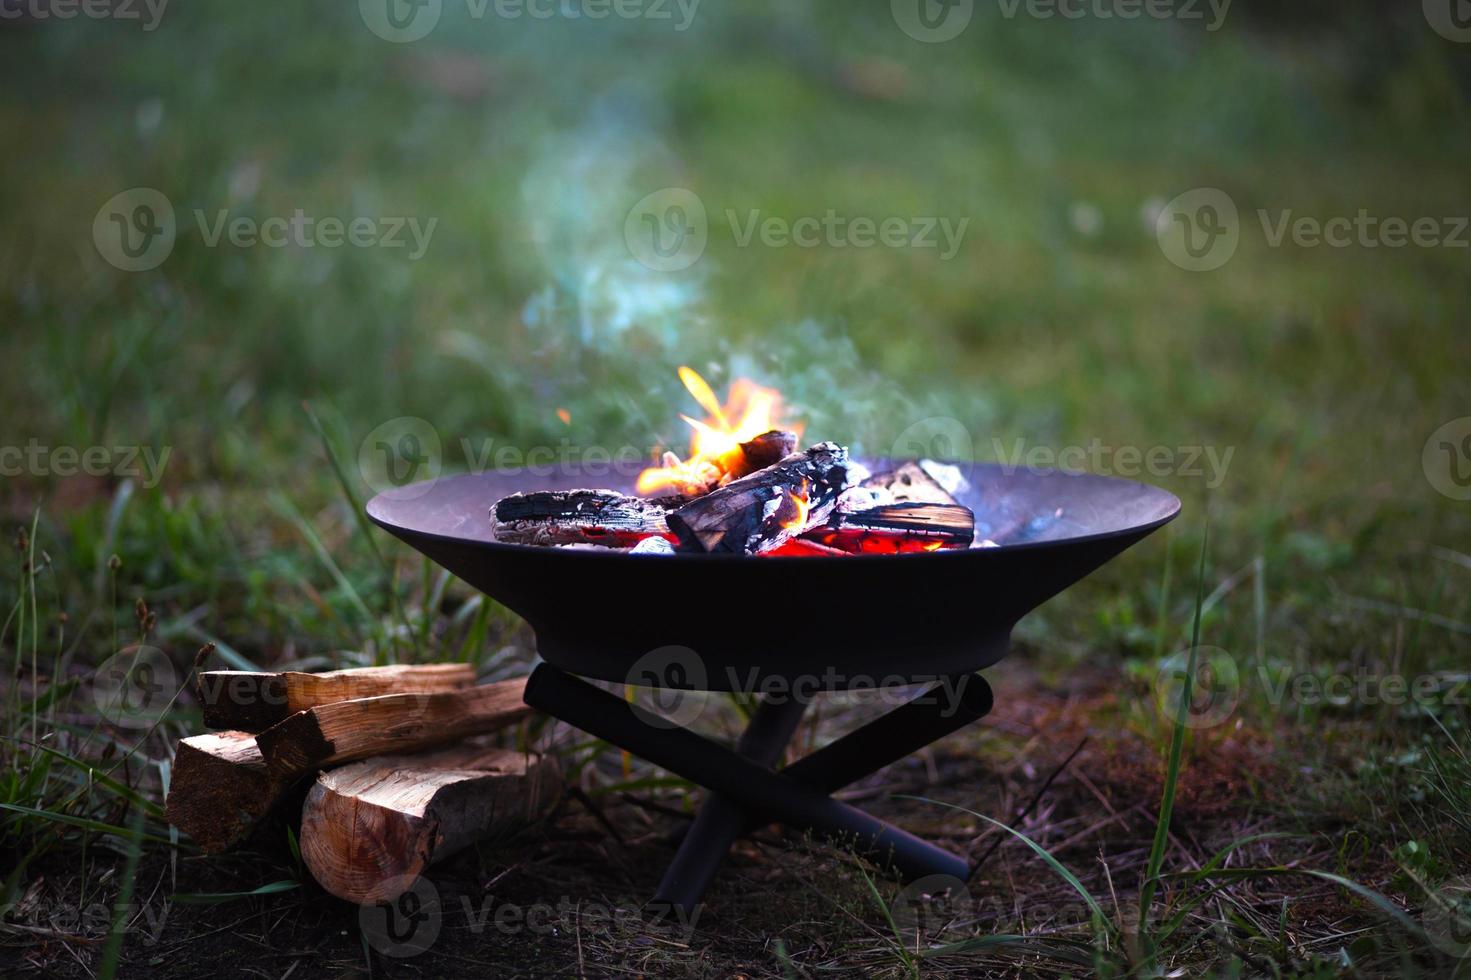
(909, 483)
(601, 517)
(252, 701)
(899, 527)
(220, 789)
(370, 828)
(766, 509)
(764, 450)
(349, 730)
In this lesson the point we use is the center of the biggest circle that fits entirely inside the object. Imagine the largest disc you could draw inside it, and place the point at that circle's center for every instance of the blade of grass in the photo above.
(102, 778)
(112, 952)
(1025, 944)
(909, 963)
(208, 898)
(283, 506)
(360, 516)
(1052, 862)
(96, 826)
(1177, 747)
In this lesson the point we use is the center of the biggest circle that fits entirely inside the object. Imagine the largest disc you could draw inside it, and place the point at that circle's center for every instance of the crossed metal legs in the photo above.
(746, 792)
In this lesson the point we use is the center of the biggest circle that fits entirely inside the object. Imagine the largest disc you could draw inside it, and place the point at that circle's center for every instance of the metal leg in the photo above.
(721, 820)
(751, 787)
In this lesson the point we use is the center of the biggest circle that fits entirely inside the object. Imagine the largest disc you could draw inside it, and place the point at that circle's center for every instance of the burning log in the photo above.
(762, 511)
(370, 828)
(698, 477)
(765, 450)
(600, 517)
(916, 483)
(898, 528)
(220, 789)
(252, 701)
(349, 730)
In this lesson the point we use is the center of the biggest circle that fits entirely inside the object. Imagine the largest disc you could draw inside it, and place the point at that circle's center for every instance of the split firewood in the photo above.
(368, 829)
(764, 510)
(252, 701)
(220, 789)
(600, 517)
(898, 528)
(913, 483)
(348, 730)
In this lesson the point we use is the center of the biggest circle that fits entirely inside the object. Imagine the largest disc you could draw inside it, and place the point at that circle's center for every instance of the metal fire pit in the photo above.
(794, 625)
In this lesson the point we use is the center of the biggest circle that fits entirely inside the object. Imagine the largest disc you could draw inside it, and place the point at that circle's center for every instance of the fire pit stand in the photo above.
(747, 793)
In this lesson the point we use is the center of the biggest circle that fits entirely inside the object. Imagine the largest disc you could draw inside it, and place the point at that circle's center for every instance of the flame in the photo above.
(715, 442)
(801, 505)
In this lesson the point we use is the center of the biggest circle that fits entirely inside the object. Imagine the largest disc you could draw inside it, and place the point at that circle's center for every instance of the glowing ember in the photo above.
(715, 445)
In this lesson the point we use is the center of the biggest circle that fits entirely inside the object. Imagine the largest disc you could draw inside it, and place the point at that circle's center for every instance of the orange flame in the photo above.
(801, 504)
(749, 410)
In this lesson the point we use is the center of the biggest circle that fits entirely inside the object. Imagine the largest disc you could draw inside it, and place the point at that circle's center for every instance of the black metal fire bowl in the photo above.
(835, 621)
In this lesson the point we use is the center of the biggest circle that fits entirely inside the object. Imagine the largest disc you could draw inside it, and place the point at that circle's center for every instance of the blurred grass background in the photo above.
(1058, 322)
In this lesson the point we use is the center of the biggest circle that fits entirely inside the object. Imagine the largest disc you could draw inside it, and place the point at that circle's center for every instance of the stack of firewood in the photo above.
(403, 776)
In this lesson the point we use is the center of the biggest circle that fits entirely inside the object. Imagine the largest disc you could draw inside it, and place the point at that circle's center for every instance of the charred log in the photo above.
(764, 450)
(600, 517)
(898, 528)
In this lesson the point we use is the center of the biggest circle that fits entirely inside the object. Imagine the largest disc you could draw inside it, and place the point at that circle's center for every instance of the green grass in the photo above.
(1323, 370)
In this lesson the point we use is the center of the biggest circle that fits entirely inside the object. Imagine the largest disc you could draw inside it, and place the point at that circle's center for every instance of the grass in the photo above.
(1280, 841)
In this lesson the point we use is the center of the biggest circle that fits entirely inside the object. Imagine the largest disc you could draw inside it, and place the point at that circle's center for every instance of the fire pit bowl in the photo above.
(838, 621)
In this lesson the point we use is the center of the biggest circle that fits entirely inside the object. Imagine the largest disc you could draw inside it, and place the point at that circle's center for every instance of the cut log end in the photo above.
(220, 789)
(370, 828)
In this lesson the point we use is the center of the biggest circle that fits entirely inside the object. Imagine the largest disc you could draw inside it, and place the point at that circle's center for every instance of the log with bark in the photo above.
(762, 511)
(220, 788)
(349, 730)
(368, 829)
(898, 528)
(252, 701)
(600, 517)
